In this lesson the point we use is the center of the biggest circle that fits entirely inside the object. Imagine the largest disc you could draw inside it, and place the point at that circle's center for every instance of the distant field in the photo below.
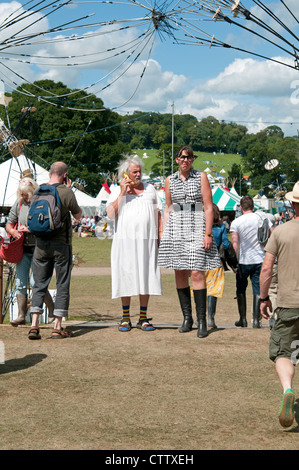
(216, 162)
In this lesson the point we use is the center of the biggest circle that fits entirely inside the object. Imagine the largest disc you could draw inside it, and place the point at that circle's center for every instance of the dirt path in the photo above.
(100, 271)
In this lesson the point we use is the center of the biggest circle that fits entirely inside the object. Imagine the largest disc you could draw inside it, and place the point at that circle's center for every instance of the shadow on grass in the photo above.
(13, 365)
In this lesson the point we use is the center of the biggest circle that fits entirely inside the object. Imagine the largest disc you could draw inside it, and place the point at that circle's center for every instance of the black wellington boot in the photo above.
(200, 297)
(185, 302)
(212, 301)
(241, 299)
(256, 316)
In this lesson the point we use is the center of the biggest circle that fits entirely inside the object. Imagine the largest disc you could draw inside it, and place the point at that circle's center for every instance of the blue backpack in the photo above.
(44, 216)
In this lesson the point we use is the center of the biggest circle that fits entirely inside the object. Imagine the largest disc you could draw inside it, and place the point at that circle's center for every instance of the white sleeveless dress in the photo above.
(134, 251)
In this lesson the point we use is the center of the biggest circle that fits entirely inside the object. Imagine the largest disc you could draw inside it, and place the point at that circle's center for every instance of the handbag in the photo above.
(12, 250)
(228, 257)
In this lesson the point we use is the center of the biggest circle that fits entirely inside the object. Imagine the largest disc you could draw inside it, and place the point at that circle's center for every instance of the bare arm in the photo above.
(265, 281)
(113, 208)
(235, 242)
(208, 208)
(168, 203)
(15, 233)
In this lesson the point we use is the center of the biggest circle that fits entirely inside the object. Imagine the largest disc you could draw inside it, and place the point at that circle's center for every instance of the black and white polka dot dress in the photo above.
(181, 246)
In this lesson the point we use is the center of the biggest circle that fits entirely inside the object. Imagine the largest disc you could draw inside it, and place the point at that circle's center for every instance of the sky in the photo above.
(131, 68)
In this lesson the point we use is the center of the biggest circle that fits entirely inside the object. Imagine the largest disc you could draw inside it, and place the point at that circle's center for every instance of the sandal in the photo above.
(34, 333)
(125, 325)
(61, 334)
(145, 325)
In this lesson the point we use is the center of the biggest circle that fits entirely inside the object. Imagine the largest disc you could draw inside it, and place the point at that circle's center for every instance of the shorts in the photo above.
(284, 339)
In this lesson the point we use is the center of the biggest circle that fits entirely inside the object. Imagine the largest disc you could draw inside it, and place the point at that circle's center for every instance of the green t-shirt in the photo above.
(69, 206)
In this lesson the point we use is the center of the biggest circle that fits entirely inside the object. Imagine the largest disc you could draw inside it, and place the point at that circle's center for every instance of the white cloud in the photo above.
(253, 92)
(157, 88)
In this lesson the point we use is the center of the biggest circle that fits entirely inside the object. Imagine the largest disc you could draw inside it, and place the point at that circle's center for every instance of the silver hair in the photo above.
(124, 165)
(26, 186)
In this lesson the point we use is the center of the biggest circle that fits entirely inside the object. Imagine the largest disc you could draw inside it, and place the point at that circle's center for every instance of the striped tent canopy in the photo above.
(227, 200)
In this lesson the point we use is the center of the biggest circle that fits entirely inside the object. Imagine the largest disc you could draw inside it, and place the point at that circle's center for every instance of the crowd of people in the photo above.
(189, 238)
(192, 240)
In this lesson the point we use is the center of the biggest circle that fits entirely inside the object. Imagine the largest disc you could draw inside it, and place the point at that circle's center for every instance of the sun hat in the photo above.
(293, 195)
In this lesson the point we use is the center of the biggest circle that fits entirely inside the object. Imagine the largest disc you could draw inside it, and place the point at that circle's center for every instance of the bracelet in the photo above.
(209, 235)
(265, 299)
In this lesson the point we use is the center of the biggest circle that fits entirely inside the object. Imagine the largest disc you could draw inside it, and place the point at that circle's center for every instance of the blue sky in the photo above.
(194, 79)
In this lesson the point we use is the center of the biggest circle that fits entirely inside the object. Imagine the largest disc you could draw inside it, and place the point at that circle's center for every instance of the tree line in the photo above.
(92, 143)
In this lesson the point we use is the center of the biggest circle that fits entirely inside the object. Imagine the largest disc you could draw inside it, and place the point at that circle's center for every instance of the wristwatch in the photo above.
(265, 299)
(209, 235)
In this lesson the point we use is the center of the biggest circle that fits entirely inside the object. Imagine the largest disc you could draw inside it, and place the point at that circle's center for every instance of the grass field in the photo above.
(218, 161)
(161, 391)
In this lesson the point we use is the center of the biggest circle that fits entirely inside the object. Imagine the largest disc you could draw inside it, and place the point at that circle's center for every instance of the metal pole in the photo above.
(172, 137)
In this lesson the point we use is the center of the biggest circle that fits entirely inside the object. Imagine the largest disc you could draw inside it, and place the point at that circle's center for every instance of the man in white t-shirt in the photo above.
(251, 255)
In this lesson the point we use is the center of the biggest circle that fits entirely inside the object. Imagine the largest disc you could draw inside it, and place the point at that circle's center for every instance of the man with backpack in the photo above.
(250, 253)
(53, 248)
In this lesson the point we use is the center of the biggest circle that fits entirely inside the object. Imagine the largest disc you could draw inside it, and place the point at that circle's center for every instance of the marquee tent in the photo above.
(11, 171)
(226, 200)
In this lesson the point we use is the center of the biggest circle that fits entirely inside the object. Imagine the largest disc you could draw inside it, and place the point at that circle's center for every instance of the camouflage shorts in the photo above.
(284, 339)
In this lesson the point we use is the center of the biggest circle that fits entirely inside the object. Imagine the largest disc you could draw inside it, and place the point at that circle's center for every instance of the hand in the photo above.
(264, 306)
(23, 228)
(124, 185)
(15, 234)
(68, 182)
(207, 242)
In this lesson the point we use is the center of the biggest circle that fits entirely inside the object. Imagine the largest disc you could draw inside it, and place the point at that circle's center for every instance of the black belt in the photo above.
(189, 207)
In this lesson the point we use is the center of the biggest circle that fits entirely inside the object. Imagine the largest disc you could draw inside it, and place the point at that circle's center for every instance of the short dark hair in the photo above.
(187, 149)
(247, 203)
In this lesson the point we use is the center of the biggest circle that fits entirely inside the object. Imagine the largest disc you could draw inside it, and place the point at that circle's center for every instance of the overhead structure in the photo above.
(34, 38)
(15, 146)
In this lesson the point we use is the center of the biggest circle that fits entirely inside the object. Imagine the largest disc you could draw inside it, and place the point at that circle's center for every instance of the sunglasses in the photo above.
(184, 157)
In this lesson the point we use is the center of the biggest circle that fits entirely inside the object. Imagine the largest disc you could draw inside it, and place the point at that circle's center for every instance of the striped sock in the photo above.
(126, 312)
(143, 311)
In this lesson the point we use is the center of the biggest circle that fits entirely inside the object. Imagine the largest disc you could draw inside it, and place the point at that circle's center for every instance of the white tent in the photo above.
(89, 205)
(104, 193)
(11, 171)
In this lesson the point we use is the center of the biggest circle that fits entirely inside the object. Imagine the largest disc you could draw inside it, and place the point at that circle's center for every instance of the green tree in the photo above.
(164, 166)
(236, 178)
(88, 142)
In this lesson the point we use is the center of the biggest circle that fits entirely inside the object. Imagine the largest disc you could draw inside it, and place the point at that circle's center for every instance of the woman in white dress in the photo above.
(135, 207)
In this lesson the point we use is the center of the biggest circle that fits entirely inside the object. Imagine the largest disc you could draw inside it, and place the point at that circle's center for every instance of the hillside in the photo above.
(216, 162)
